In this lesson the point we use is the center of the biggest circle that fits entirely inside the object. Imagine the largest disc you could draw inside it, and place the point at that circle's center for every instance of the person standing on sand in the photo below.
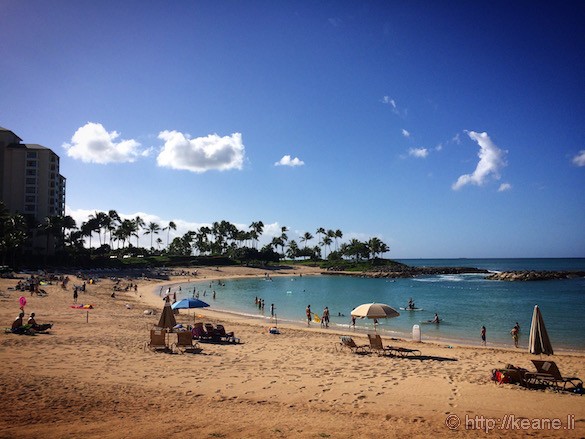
(308, 312)
(325, 318)
(353, 322)
(483, 335)
(75, 295)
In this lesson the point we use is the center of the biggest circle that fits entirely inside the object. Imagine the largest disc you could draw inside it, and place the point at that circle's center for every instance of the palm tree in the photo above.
(88, 227)
(101, 219)
(67, 223)
(126, 230)
(306, 238)
(168, 228)
(339, 235)
(293, 248)
(283, 237)
(158, 242)
(13, 233)
(139, 223)
(202, 239)
(51, 226)
(257, 229)
(152, 229)
(376, 246)
(326, 242)
(320, 231)
(112, 224)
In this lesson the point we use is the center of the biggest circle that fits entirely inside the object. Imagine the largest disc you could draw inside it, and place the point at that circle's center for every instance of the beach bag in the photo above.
(500, 376)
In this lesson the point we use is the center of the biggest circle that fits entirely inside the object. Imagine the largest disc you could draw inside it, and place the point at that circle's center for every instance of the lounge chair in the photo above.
(548, 374)
(377, 346)
(226, 336)
(405, 352)
(347, 342)
(198, 332)
(158, 341)
(185, 343)
(211, 332)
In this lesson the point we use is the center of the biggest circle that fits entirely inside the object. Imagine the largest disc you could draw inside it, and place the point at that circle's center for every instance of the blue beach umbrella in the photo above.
(189, 303)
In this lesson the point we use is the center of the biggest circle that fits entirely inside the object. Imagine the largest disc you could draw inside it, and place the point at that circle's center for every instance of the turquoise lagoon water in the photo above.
(464, 302)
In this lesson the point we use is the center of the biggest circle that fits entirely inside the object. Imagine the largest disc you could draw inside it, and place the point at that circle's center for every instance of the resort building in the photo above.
(30, 182)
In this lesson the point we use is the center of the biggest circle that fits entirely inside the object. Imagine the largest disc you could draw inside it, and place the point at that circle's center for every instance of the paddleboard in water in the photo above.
(432, 322)
(411, 309)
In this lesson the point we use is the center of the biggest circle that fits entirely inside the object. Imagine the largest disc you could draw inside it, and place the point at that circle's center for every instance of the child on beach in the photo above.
(309, 314)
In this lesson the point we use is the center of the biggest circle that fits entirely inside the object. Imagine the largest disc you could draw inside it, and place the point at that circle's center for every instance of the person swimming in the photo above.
(436, 319)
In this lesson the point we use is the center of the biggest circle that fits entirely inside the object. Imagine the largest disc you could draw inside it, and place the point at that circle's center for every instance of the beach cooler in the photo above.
(416, 335)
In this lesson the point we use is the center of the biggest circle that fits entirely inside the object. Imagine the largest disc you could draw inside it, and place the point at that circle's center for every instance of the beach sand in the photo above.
(90, 377)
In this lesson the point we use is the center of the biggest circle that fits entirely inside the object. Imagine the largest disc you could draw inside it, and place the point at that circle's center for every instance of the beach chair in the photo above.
(185, 343)
(158, 341)
(349, 343)
(226, 336)
(405, 352)
(211, 332)
(548, 374)
(377, 346)
(198, 332)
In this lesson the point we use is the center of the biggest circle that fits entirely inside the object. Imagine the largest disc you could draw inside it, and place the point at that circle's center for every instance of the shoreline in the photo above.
(359, 331)
(339, 330)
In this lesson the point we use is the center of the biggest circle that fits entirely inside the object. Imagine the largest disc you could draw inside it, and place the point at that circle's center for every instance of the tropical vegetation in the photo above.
(119, 237)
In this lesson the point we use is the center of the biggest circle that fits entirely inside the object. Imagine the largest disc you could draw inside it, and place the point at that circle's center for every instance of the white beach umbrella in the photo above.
(374, 311)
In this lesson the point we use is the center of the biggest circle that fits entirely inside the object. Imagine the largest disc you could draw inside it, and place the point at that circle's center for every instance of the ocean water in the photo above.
(464, 302)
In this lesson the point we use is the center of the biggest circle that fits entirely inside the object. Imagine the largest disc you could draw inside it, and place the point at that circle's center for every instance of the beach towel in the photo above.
(82, 306)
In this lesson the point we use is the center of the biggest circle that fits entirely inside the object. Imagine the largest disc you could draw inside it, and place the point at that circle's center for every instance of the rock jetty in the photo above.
(535, 275)
(397, 270)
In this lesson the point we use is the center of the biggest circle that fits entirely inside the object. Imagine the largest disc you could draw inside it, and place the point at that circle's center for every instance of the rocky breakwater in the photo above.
(397, 270)
(535, 275)
(409, 272)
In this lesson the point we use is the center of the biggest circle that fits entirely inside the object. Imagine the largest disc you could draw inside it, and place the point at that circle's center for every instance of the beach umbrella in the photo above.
(189, 303)
(539, 342)
(167, 318)
(374, 311)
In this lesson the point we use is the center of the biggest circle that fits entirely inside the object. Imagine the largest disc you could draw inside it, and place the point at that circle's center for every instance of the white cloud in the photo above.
(420, 153)
(579, 159)
(405, 133)
(491, 160)
(504, 187)
(93, 144)
(202, 153)
(287, 161)
(392, 103)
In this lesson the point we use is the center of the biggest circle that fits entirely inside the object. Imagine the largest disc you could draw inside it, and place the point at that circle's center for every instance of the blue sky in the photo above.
(447, 129)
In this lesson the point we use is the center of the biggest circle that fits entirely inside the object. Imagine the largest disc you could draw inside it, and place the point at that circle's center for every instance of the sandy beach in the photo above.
(91, 377)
